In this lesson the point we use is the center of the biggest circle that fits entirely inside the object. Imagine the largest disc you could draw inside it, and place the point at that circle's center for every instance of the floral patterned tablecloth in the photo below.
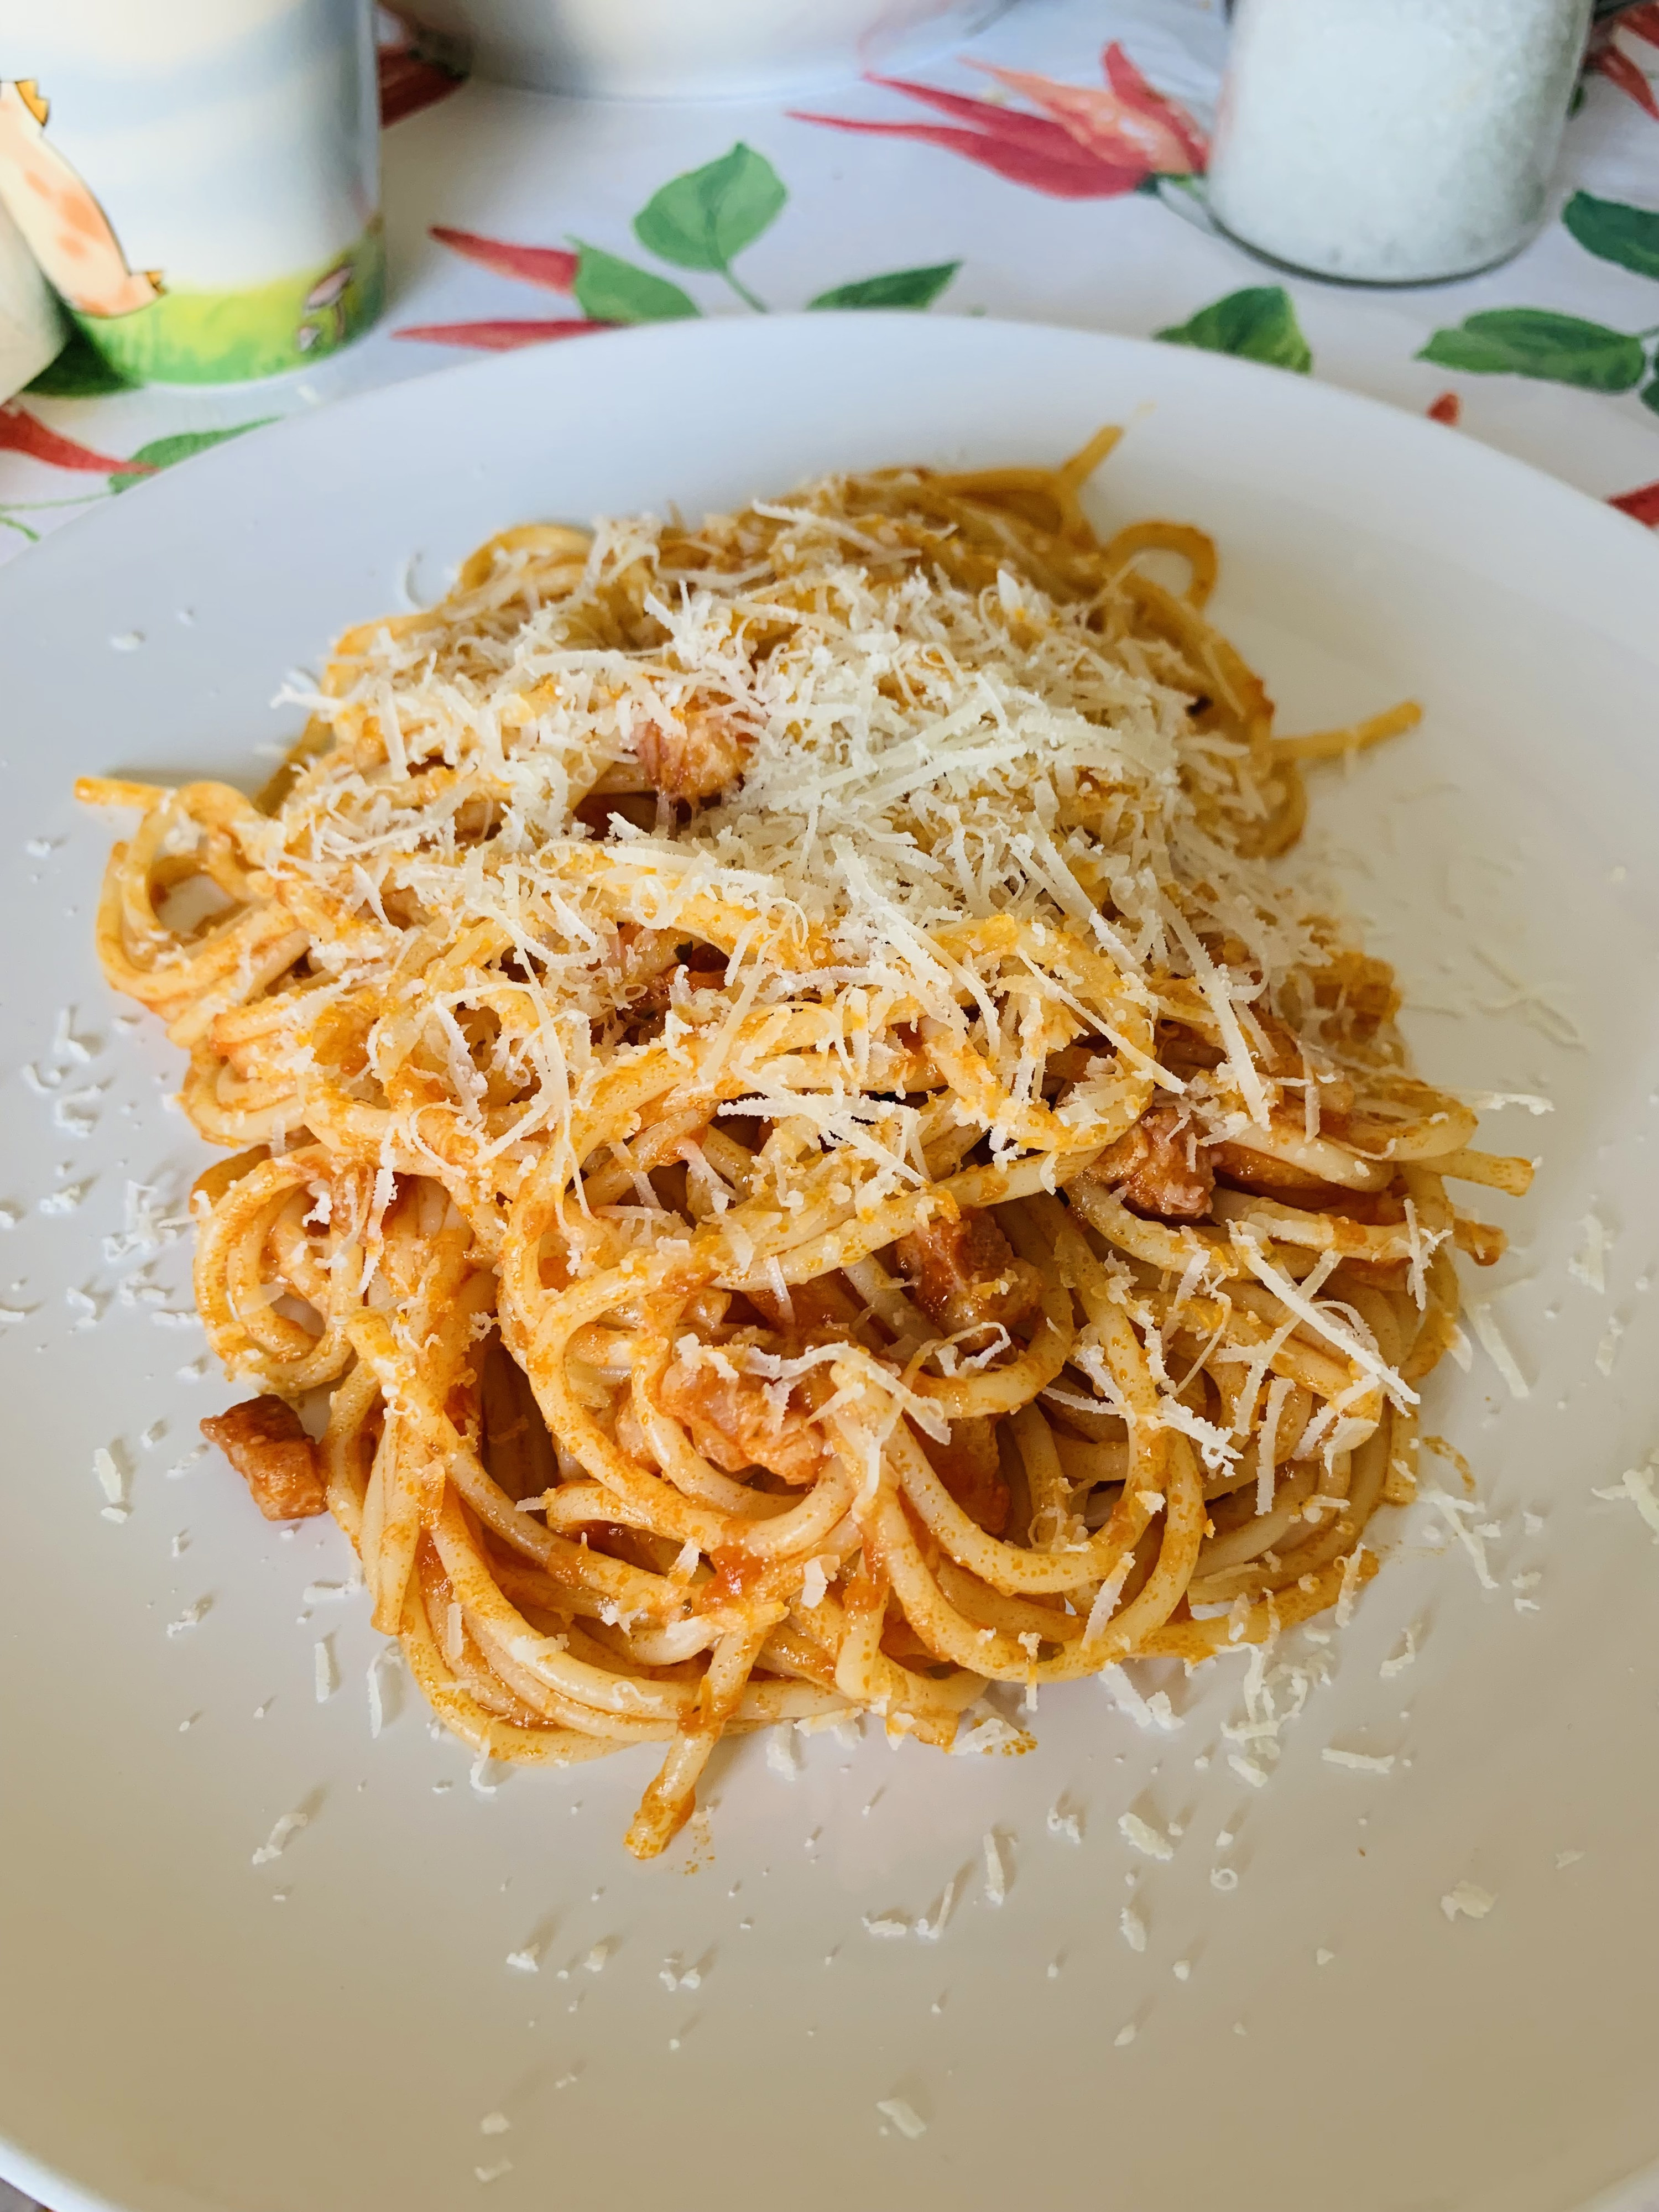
(1051, 171)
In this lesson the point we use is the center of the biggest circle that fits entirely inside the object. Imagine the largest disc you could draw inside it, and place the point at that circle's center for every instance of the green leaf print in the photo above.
(1539, 341)
(1628, 235)
(1649, 393)
(1259, 323)
(704, 218)
(609, 290)
(899, 288)
(164, 452)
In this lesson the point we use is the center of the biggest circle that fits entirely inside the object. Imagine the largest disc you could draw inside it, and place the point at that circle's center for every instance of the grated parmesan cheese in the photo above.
(67, 1199)
(1489, 1102)
(286, 1825)
(992, 1734)
(931, 1925)
(112, 1480)
(1453, 1511)
(783, 1753)
(1492, 1340)
(1359, 1761)
(904, 2116)
(1104, 1605)
(889, 1924)
(1155, 1711)
(1606, 1351)
(918, 748)
(1588, 1267)
(319, 1593)
(1145, 1838)
(1636, 1487)
(375, 1684)
(996, 1869)
(1132, 1928)
(1402, 1659)
(1344, 1609)
(1064, 1822)
(1470, 1900)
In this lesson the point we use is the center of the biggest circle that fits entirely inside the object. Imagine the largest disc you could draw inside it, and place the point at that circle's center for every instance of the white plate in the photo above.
(173, 2037)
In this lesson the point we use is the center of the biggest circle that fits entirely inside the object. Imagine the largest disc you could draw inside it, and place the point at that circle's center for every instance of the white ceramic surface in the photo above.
(183, 2031)
(31, 327)
(698, 49)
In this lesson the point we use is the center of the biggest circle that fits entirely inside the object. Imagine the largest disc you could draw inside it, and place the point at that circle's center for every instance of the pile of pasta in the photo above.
(793, 1139)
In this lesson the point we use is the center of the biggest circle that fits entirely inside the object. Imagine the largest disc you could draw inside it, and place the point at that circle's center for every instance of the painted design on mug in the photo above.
(63, 226)
(323, 319)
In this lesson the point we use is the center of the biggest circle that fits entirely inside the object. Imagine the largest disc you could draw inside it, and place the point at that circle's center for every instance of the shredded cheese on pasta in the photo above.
(779, 1083)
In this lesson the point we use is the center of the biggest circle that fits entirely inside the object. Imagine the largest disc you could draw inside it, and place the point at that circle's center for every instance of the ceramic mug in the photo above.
(198, 178)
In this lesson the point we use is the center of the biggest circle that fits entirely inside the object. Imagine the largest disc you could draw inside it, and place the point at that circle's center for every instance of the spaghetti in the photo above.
(781, 1096)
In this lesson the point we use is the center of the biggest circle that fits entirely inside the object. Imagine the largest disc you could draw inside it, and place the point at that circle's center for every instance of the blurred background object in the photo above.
(696, 49)
(198, 178)
(1393, 142)
(31, 325)
(416, 69)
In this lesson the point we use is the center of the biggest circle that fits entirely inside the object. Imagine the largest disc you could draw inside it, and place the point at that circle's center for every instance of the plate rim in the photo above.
(230, 455)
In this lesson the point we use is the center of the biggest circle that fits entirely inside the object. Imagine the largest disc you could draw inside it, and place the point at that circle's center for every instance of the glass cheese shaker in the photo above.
(1393, 142)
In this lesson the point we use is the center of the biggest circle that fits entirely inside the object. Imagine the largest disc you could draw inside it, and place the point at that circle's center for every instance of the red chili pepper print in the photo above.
(497, 337)
(1447, 409)
(1641, 505)
(1613, 61)
(549, 266)
(408, 81)
(24, 433)
(1084, 144)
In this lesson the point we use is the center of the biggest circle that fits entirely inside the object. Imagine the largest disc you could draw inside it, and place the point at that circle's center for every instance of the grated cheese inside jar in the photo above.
(1393, 142)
